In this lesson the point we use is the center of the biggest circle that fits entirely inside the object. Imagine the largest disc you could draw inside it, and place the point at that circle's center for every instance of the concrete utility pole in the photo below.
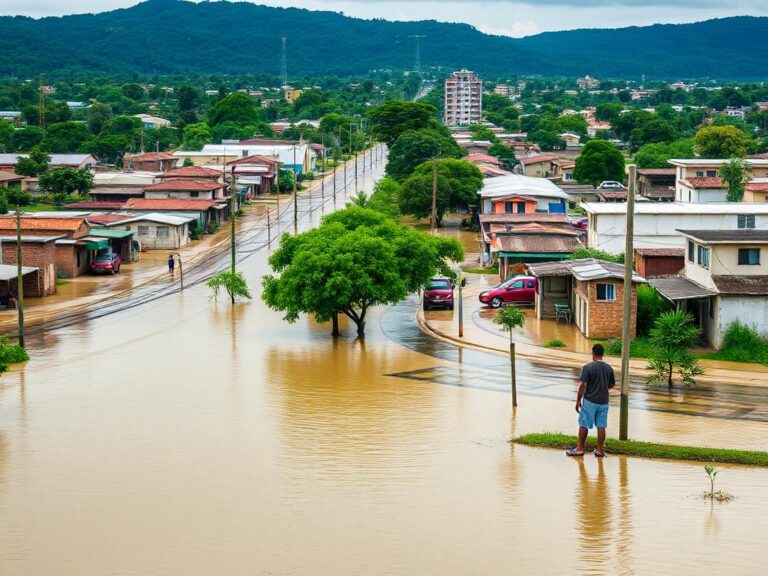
(350, 151)
(335, 162)
(19, 279)
(232, 210)
(295, 199)
(181, 270)
(626, 332)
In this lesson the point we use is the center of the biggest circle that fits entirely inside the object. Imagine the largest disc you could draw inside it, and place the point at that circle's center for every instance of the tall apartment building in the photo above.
(463, 99)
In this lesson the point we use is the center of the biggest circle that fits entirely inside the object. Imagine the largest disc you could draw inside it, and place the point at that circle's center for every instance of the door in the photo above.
(514, 292)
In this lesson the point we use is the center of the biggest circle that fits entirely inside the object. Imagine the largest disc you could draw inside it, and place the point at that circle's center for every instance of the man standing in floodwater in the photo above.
(592, 401)
(171, 264)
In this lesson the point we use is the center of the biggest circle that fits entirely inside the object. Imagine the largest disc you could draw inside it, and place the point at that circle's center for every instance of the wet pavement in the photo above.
(190, 437)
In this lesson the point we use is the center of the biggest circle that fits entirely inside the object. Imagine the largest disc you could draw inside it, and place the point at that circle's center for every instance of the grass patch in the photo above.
(741, 343)
(555, 344)
(61, 282)
(649, 449)
(639, 347)
(480, 270)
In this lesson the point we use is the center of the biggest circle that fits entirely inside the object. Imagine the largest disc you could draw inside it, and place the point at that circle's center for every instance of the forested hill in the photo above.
(167, 36)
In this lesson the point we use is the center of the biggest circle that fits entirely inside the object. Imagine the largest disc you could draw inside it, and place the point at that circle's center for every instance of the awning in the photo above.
(92, 243)
(11, 271)
(110, 233)
(679, 288)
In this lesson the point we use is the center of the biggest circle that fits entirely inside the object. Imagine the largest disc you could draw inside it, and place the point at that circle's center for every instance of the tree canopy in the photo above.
(396, 117)
(417, 146)
(356, 259)
(721, 142)
(238, 108)
(599, 160)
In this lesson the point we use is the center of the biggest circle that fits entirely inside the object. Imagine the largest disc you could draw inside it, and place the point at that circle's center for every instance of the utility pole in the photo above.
(181, 270)
(417, 54)
(626, 331)
(232, 211)
(350, 151)
(19, 278)
(335, 162)
(295, 199)
(322, 180)
(433, 217)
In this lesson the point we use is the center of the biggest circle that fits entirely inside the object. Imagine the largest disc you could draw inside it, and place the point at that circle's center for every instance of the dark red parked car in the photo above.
(438, 294)
(106, 264)
(518, 290)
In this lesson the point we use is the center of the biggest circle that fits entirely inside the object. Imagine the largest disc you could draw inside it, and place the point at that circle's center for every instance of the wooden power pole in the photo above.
(19, 278)
(626, 331)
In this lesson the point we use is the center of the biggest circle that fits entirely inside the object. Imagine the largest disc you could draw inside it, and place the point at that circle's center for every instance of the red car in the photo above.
(438, 294)
(518, 290)
(106, 264)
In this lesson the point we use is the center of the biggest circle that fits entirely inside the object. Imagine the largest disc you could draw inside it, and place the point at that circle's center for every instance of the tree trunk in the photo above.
(669, 377)
(335, 331)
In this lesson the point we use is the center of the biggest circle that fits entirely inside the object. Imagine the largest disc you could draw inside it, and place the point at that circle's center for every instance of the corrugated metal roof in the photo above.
(742, 285)
(661, 252)
(724, 236)
(537, 243)
(585, 269)
(11, 271)
(679, 288)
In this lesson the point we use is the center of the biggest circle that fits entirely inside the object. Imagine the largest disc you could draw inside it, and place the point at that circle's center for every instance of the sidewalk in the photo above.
(86, 292)
(480, 333)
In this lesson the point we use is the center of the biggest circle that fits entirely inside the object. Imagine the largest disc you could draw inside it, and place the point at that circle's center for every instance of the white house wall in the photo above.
(750, 310)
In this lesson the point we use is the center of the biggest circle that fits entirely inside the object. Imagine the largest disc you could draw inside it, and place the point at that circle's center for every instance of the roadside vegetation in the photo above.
(742, 343)
(554, 344)
(649, 449)
(10, 354)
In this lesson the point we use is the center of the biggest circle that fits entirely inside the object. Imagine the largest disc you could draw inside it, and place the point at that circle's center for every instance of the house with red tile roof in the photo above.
(150, 162)
(258, 173)
(204, 211)
(186, 189)
(194, 172)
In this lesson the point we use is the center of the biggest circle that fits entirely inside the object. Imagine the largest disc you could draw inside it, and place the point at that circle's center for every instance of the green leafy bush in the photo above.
(650, 305)
(554, 344)
(742, 343)
(11, 354)
(597, 254)
(233, 283)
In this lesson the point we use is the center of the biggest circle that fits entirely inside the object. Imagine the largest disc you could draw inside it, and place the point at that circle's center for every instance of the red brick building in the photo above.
(39, 252)
(659, 262)
(150, 162)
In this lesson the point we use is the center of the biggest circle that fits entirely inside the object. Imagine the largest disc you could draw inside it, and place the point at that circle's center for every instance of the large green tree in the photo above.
(34, 164)
(721, 142)
(356, 259)
(66, 137)
(238, 108)
(396, 117)
(658, 154)
(599, 160)
(417, 146)
(63, 182)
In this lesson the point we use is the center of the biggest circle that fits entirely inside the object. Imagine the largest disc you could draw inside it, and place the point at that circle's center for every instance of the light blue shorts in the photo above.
(593, 415)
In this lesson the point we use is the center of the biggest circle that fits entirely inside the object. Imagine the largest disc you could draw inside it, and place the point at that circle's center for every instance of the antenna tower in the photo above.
(417, 54)
(283, 65)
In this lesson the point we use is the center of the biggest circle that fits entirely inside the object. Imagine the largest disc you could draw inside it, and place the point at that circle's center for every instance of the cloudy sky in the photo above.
(507, 17)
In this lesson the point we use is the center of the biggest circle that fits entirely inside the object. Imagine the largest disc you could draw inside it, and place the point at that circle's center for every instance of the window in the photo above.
(712, 173)
(162, 231)
(508, 208)
(746, 221)
(691, 251)
(606, 293)
(703, 256)
(749, 256)
(516, 285)
(194, 194)
(699, 173)
(143, 230)
(530, 284)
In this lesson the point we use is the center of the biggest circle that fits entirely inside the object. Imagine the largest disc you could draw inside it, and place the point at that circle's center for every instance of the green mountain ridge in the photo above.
(174, 36)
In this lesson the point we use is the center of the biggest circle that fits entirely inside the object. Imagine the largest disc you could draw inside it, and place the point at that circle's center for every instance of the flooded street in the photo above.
(187, 437)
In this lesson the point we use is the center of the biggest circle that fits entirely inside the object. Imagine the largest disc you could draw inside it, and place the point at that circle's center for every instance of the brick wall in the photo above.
(67, 262)
(40, 255)
(605, 318)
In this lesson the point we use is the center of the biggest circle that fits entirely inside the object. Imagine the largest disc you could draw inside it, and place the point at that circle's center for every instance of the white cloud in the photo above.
(516, 29)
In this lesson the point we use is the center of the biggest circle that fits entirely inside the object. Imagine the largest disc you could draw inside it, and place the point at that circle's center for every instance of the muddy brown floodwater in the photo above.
(187, 437)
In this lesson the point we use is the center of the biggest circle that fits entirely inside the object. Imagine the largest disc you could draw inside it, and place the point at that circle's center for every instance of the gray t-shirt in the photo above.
(598, 377)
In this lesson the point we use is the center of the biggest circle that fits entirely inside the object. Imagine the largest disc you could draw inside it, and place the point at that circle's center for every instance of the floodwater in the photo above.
(191, 437)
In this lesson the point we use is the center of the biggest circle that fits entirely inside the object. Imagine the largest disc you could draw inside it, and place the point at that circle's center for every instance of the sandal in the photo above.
(598, 454)
(572, 452)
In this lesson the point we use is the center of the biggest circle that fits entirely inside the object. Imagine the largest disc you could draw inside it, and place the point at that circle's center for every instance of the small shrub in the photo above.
(233, 282)
(650, 305)
(554, 344)
(213, 227)
(597, 254)
(711, 494)
(742, 343)
(11, 354)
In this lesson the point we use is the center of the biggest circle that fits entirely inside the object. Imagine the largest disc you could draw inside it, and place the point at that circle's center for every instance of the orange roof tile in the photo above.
(185, 185)
(191, 172)
(27, 223)
(168, 204)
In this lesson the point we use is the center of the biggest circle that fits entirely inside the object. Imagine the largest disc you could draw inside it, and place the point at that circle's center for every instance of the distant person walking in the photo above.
(592, 401)
(171, 264)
